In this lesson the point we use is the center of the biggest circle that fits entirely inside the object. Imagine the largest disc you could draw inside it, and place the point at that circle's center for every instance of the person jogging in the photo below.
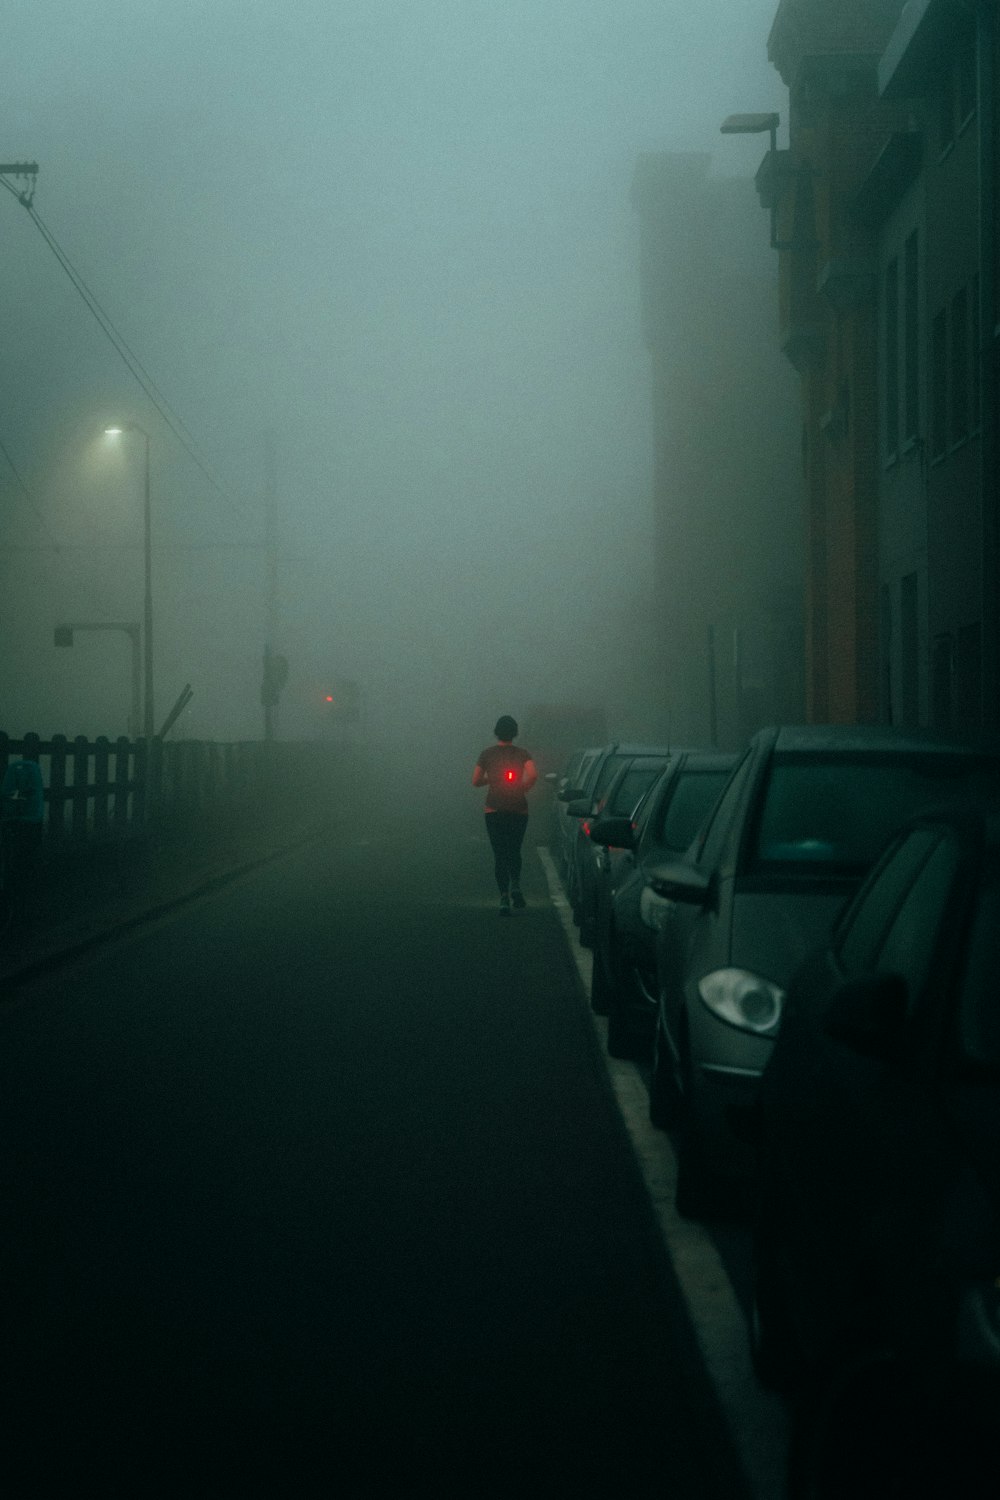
(508, 772)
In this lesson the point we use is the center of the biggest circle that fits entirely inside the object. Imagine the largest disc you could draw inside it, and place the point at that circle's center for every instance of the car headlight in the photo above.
(653, 909)
(743, 999)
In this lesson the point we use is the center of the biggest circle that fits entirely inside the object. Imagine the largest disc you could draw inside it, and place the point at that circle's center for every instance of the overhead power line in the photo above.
(26, 492)
(127, 355)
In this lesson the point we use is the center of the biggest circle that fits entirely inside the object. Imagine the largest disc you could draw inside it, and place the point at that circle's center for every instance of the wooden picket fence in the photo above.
(99, 789)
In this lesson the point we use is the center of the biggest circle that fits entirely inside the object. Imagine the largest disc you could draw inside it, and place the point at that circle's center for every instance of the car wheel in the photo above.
(622, 1041)
(699, 1194)
(856, 1432)
(664, 1093)
(599, 987)
(772, 1347)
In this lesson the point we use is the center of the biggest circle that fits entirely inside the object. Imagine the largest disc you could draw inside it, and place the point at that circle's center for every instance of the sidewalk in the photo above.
(106, 891)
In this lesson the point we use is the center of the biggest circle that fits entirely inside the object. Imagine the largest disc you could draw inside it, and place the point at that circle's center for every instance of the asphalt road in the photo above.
(318, 1186)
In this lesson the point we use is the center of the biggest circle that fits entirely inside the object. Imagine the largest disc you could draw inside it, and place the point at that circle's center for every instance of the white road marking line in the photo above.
(756, 1418)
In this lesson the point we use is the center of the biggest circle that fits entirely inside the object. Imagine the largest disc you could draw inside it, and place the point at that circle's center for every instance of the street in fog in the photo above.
(320, 1182)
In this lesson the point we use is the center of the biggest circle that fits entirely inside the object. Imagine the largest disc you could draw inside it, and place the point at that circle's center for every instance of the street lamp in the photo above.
(147, 616)
(756, 124)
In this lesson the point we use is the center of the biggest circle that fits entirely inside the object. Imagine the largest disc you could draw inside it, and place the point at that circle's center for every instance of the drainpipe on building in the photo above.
(989, 356)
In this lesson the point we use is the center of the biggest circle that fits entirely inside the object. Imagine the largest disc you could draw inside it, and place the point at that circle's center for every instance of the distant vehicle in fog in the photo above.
(599, 862)
(587, 802)
(877, 1225)
(569, 782)
(801, 821)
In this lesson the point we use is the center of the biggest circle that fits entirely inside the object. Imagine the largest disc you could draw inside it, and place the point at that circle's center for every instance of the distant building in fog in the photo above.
(885, 203)
(728, 498)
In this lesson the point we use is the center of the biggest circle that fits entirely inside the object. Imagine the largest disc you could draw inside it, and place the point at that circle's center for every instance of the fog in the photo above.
(394, 243)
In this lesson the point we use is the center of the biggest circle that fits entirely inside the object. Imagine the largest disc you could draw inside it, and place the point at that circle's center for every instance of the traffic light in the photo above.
(344, 700)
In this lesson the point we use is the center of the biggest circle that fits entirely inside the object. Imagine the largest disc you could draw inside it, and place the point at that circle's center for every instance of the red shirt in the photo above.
(508, 771)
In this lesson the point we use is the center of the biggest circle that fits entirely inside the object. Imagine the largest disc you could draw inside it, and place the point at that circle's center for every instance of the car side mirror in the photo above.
(868, 1014)
(613, 833)
(677, 880)
(579, 809)
(570, 794)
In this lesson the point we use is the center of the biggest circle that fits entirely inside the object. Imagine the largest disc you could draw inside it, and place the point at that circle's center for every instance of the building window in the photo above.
(959, 366)
(909, 647)
(946, 110)
(911, 339)
(942, 670)
(939, 384)
(968, 678)
(892, 359)
(885, 651)
(975, 354)
(966, 77)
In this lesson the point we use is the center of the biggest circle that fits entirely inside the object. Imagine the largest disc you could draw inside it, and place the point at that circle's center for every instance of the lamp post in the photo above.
(147, 611)
(756, 125)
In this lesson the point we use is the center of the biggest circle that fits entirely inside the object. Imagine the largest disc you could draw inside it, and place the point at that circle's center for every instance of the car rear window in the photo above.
(606, 774)
(839, 812)
(693, 798)
(633, 787)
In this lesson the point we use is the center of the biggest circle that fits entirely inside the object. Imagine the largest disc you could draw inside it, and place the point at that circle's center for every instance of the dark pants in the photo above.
(506, 834)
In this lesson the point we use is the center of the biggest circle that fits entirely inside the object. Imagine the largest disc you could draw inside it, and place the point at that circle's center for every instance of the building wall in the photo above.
(729, 533)
(904, 645)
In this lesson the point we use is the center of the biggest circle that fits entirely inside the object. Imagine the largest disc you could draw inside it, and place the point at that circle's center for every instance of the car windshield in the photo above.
(839, 811)
(688, 807)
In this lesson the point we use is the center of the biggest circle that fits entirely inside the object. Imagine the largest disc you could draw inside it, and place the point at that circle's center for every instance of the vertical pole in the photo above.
(271, 552)
(133, 718)
(147, 547)
(989, 356)
(738, 682)
(713, 718)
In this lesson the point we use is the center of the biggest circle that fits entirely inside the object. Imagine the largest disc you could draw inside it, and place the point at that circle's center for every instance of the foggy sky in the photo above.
(396, 236)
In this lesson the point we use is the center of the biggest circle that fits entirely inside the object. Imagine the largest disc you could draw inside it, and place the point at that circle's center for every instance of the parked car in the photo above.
(623, 800)
(569, 788)
(877, 1238)
(589, 801)
(627, 914)
(797, 828)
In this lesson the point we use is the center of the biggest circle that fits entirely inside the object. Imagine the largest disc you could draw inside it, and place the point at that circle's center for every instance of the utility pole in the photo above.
(271, 554)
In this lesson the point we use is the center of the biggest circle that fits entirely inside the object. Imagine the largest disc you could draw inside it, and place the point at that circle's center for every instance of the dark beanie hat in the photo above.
(505, 727)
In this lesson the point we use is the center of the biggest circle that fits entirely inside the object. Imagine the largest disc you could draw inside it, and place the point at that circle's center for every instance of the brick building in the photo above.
(885, 211)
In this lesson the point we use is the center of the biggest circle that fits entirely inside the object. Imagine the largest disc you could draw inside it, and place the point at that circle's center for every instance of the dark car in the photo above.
(623, 800)
(796, 830)
(589, 804)
(627, 914)
(568, 787)
(877, 1240)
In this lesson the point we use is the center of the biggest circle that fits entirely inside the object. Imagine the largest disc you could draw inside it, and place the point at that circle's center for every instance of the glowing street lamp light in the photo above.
(147, 620)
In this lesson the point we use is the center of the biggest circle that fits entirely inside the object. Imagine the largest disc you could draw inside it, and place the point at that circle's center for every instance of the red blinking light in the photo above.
(328, 698)
(511, 776)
